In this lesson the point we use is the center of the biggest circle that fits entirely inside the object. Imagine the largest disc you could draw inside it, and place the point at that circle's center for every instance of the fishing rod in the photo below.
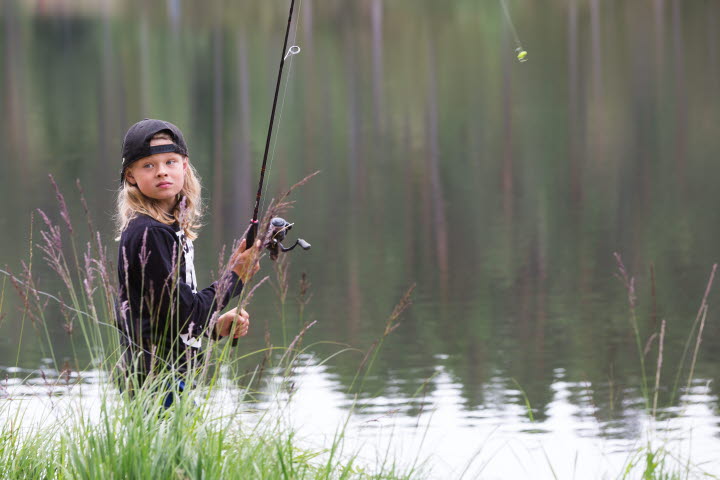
(279, 226)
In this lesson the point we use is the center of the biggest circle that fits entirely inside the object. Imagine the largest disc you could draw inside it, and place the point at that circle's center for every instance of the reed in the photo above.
(652, 460)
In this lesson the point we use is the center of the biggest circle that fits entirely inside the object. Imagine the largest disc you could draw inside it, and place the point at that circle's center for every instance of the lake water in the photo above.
(501, 189)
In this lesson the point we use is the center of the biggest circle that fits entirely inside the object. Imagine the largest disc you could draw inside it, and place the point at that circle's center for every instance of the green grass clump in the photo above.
(653, 463)
(139, 438)
(31, 455)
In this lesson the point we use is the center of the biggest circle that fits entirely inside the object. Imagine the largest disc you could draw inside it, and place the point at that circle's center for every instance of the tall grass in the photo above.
(653, 460)
(129, 433)
(142, 439)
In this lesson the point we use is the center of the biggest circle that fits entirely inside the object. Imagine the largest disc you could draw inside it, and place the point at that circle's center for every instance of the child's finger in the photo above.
(238, 251)
(235, 328)
(241, 329)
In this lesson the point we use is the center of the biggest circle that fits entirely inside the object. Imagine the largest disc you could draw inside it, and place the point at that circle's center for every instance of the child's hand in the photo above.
(245, 262)
(232, 322)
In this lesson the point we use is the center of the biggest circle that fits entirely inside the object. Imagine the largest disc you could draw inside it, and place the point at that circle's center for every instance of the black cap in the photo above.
(136, 144)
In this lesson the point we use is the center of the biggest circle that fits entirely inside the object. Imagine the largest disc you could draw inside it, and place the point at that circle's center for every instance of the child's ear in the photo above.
(130, 178)
(186, 160)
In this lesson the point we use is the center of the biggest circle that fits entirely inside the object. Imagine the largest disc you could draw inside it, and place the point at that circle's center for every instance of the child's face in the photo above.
(160, 176)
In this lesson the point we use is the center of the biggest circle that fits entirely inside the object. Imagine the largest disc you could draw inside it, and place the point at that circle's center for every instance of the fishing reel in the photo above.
(279, 227)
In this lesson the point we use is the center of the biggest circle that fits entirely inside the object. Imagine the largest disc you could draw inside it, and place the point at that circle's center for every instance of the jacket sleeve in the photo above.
(169, 299)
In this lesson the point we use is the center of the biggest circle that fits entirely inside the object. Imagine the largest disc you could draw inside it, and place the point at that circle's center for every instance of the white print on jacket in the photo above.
(189, 254)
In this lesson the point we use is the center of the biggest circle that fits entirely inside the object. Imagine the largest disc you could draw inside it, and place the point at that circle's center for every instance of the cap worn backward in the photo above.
(136, 144)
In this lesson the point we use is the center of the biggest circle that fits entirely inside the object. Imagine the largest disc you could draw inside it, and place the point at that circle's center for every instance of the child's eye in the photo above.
(171, 162)
(148, 165)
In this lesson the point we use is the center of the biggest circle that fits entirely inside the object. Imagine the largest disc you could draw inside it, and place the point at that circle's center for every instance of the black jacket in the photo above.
(160, 309)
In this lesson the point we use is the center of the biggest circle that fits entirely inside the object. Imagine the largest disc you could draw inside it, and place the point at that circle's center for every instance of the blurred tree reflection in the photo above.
(501, 188)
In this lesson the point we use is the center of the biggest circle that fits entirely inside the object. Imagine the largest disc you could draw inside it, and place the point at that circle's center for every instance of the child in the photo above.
(162, 316)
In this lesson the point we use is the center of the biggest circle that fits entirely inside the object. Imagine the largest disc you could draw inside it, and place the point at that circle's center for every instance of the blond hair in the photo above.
(187, 212)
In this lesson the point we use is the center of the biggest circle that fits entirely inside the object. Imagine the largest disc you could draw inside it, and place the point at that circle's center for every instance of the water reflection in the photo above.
(498, 439)
(501, 188)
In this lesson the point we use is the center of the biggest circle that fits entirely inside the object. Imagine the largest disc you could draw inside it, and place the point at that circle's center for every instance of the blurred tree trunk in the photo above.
(659, 18)
(356, 179)
(111, 107)
(144, 66)
(14, 93)
(680, 93)
(575, 132)
(433, 169)
(310, 100)
(242, 176)
(377, 63)
(712, 44)
(218, 193)
(596, 50)
(355, 169)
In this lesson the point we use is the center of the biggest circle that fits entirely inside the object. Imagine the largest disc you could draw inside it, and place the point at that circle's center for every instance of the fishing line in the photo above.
(521, 52)
(292, 51)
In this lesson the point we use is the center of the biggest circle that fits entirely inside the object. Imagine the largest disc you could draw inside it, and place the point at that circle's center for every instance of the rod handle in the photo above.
(249, 240)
